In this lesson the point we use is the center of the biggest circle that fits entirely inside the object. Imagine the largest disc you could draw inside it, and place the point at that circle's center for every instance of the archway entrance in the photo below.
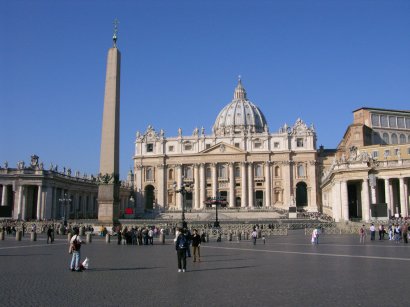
(301, 194)
(149, 197)
(188, 200)
(237, 201)
(355, 204)
(259, 198)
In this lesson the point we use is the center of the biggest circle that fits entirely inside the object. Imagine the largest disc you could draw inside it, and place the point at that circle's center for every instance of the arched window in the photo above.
(149, 174)
(258, 170)
(301, 170)
(394, 138)
(171, 174)
(277, 171)
(386, 138)
(402, 139)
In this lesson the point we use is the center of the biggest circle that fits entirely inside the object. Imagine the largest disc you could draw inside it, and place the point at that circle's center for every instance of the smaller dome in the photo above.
(240, 115)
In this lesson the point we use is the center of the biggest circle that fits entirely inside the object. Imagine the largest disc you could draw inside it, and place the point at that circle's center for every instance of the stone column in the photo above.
(214, 180)
(243, 185)
(231, 184)
(345, 201)
(287, 179)
(161, 185)
(4, 196)
(365, 200)
(39, 202)
(197, 192)
(387, 193)
(178, 196)
(312, 200)
(403, 201)
(18, 206)
(268, 189)
(336, 200)
(373, 193)
(250, 185)
(202, 182)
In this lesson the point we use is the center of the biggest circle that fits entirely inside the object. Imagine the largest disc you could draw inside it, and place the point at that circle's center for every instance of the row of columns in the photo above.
(368, 196)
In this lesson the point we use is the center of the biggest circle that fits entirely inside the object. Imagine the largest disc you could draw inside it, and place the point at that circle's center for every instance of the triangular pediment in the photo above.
(222, 148)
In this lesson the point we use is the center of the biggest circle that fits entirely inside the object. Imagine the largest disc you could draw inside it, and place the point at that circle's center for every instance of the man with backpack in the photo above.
(181, 245)
(75, 246)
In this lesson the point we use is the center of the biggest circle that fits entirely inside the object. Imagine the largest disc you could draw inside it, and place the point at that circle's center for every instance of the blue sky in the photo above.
(317, 60)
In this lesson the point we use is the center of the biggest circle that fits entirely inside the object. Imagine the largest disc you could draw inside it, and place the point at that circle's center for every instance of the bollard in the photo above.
(259, 233)
(33, 236)
(238, 236)
(69, 236)
(18, 235)
(246, 236)
(207, 238)
(107, 238)
(230, 237)
(2, 235)
(162, 238)
(88, 238)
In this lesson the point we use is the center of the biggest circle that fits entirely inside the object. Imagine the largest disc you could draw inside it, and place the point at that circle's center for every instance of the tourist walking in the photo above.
(181, 244)
(404, 231)
(362, 234)
(254, 235)
(372, 232)
(50, 232)
(196, 244)
(75, 247)
(315, 236)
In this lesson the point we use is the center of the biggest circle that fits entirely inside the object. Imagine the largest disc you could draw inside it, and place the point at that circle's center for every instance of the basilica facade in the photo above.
(241, 162)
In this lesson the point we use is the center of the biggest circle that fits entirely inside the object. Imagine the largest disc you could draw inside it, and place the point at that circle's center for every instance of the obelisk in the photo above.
(109, 186)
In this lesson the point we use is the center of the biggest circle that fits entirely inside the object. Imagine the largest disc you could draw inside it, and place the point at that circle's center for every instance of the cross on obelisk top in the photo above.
(114, 36)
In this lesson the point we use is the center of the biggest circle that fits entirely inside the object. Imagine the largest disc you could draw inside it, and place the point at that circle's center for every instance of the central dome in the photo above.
(240, 115)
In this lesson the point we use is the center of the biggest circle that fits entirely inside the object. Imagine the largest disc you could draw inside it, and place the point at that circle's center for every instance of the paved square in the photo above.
(286, 271)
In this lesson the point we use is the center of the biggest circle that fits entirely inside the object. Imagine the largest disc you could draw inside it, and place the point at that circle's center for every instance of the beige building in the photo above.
(368, 176)
(31, 192)
(240, 161)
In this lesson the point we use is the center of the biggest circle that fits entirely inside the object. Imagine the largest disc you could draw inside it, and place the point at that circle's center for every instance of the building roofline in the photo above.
(380, 109)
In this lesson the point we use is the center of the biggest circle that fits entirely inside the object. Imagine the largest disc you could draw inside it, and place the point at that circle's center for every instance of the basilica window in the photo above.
(387, 153)
(402, 139)
(207, 146)
(208, 172)
(171, 174)
(258, 170)
(375, 154)
(392, 122)
(258, 145)
(299, 142)
(150, 147)
(276, 145)
(301, 170)
(396, 151)
(237, 145)
(188, 146)
(386, 138)
(170, 148)
(149, 174)
(408, 122)
(383, 121)
(188, 172)
(237, 172)
(375, 120)
(394, 138)
(222, 173)
(400, 122)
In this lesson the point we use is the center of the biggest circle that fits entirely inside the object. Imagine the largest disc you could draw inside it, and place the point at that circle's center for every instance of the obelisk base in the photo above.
(108, 203)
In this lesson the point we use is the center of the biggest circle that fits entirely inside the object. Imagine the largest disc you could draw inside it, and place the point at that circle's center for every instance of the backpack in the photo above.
(183, 242)
(76, 244)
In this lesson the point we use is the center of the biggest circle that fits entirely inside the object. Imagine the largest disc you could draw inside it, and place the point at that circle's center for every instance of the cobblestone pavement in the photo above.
(286, 271)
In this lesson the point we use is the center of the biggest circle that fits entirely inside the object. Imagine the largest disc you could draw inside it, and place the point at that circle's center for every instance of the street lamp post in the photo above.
(183, 190)
(64, 201)
(216, 201)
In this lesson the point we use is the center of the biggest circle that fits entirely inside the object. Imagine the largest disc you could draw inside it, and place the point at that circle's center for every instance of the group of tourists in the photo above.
(395, 231)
